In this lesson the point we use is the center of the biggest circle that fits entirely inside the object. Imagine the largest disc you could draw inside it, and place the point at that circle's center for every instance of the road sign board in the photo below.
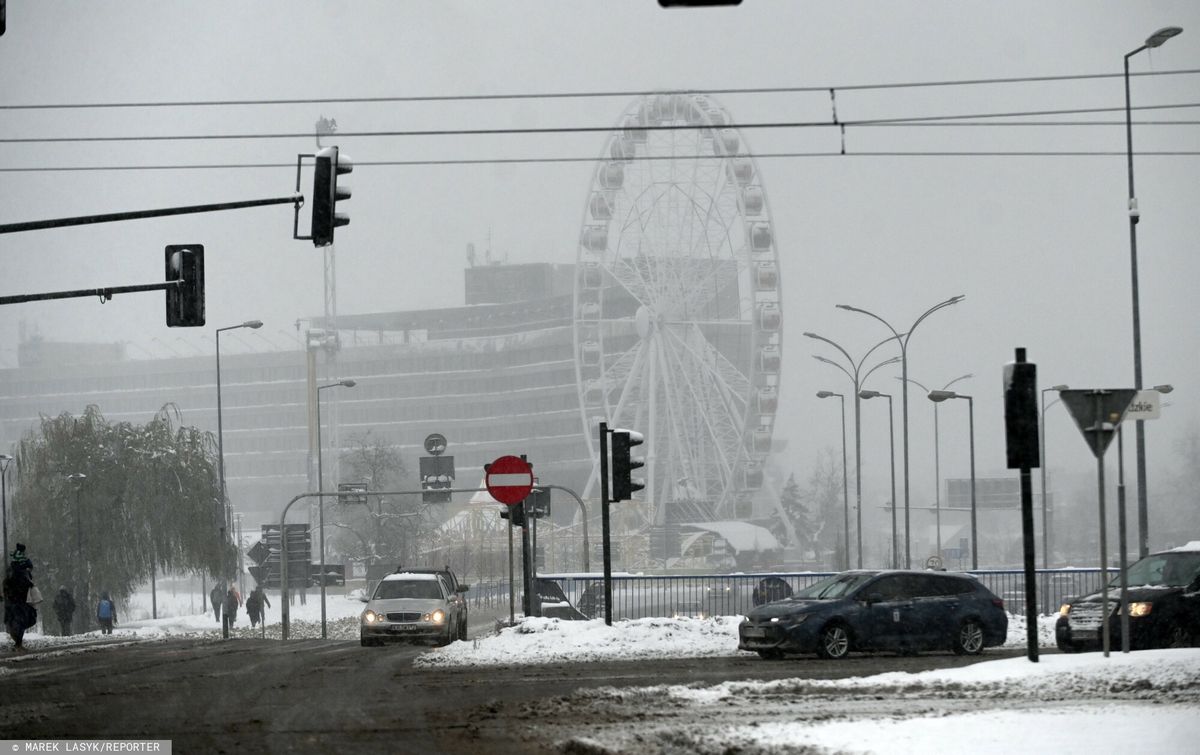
(509, 479)
(1145, 405)
(1097, 412)
(435, 443)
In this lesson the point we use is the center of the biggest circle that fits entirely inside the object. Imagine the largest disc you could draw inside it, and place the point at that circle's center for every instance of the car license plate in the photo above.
(400, 628)
(756, 632)
(1085, 634)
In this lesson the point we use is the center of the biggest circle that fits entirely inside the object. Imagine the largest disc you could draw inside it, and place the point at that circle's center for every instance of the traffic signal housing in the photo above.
(185, 300)
(514, 513)
(330, 164)
(623, 484)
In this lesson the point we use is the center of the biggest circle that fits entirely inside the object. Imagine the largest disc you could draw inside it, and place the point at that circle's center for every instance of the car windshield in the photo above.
(421, 589)
(1164, 570)
(833, 587)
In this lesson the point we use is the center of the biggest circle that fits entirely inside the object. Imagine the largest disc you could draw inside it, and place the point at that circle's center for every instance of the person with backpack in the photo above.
(64, 608)
(106, 613)
(255, 606)
(19, 613)
(229, 609)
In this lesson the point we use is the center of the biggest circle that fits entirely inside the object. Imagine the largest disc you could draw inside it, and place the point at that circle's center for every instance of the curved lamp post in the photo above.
(1045, 516)
(321, 500)
(5, 460)
(938, 396)
(937, 459)
(854, 374)
(228, 518)
(892, 460)
(845, 487)
(1154, 40)
(903, 339)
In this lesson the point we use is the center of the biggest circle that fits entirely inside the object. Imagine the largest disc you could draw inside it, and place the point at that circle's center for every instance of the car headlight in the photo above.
(789, 620)
(1140, 609)
(370, 617)
(437, 617)
(1064, 609)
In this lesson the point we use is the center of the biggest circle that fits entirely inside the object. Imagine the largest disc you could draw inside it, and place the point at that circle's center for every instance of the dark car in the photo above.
(1164, 606)
(903, 611)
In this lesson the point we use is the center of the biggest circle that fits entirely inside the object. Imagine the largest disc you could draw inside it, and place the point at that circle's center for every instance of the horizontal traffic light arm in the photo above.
(104, 293)
(41, 225)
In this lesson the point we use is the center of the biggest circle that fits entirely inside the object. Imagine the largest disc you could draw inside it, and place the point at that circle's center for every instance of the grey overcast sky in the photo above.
(1038, 244)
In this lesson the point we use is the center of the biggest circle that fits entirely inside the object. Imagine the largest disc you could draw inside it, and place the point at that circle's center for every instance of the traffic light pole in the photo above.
(104, 293)
(41, 225)
(604, 523)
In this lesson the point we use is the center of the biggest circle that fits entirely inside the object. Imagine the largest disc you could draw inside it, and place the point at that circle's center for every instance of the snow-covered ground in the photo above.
(1141, 702)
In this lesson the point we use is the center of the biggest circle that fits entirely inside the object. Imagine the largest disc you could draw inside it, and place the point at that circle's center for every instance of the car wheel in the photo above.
(462, 630)
(834, 642)
(1179, 637)
(770, 655)
(969, 640)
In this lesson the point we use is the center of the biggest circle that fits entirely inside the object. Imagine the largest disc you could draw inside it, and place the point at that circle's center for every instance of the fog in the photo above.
(1038, 242)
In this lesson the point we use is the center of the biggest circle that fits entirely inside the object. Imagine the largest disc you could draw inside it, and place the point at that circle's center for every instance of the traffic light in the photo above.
(623, 484)
(326, 193)
(185, 301)
(515, 513)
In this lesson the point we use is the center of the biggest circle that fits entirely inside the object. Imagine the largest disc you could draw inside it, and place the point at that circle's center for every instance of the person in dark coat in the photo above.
(106, 613)
(229, 609)
(19, 615)
(255, 606)
(64, 608)
(217, 596)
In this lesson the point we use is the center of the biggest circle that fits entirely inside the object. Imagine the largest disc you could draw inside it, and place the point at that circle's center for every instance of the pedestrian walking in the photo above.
(229, 609)
(217, 596)
(256, 606)
(19, 615)
(106, 613)
(64, 608)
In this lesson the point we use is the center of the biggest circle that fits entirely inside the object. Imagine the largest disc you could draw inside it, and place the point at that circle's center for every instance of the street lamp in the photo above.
(1154, 40)
(892, 459)
(903, 339)
(845, 487)
(5, 459)
(321, 500)
(77, 478)
(1045, 517)
(228, 528)
(937, 461)
(858, 382)
(938, 396)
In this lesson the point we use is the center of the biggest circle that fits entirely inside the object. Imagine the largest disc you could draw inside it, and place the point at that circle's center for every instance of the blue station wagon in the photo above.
(902, 611)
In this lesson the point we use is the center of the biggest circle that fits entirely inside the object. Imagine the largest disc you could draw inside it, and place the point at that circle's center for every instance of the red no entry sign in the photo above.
(509, 479)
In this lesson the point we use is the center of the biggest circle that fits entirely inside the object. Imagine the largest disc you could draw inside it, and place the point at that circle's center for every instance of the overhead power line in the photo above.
(592, 159)
(586, 94)
(760, 125)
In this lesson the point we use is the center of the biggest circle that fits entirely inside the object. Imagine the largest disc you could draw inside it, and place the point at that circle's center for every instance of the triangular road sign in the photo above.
(1097, 412)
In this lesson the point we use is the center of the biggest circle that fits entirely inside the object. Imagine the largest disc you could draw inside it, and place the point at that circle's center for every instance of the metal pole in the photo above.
(5, 460)
(1097, 439)
(1042, 459)
(974, 532)
(604, 523)
(904, 431)
(1121, 535)
(512, 586)
(221, 446)
(937, 481)
(39, 225)
(892, 460)
(845, 487)
(1143, 515)
(858, 472)
(321, 517)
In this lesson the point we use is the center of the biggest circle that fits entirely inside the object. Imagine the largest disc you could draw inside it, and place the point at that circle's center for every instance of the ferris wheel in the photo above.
(678, 316)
